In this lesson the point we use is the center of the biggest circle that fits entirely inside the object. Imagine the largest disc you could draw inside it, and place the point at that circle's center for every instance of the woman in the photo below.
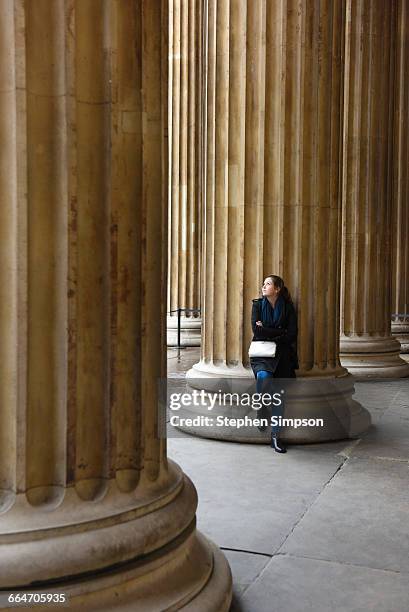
(274, 318)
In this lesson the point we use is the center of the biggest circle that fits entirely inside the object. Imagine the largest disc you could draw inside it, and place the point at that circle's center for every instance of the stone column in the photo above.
(273, 195)
(400, 205)
(185, 120)
(368, 350)
(90, 505)
(8, 259)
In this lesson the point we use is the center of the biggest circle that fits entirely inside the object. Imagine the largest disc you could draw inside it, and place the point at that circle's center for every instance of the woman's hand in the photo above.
(259, 323)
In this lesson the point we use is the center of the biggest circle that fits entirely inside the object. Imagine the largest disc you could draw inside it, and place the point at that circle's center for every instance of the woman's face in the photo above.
(269, 289)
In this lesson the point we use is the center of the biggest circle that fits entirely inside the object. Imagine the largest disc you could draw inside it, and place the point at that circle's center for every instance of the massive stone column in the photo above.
(185, 120)
(273, 195)
(90, 505)
(400, 204)
(368, 349)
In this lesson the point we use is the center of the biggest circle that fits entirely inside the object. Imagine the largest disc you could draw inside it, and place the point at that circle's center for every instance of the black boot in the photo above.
(278, 446)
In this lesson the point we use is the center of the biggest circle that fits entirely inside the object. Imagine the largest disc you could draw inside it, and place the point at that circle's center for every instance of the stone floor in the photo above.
(324, 527)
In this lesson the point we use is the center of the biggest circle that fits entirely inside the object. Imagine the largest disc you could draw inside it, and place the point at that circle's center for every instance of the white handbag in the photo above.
(262, 348)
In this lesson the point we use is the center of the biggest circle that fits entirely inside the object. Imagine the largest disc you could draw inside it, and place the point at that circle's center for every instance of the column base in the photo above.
(118, 554)
(400, 331)
(326, 396)
(190, 331)
(367, 357)
(190, 575)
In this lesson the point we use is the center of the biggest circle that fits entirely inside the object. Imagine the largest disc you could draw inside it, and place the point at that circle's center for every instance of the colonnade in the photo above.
(88, 498)
(304, 174)
(286, 152)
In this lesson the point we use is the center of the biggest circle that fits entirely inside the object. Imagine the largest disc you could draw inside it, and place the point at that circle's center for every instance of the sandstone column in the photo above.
(273, 195)
(185, 120)
(400, 206)
(8, 259)
(86, 490)
(368, 349)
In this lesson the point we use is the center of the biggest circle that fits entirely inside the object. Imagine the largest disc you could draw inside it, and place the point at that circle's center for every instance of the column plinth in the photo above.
(90, 506)
(191, 571)
(400, 329)
(125, 519)
(318, 395)
(371, 357)
(191, 329)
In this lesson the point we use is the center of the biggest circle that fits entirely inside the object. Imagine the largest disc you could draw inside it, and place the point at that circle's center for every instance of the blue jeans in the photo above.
(263, 385)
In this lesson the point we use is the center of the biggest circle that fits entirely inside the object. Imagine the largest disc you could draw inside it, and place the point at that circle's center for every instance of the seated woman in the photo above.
(274, 318)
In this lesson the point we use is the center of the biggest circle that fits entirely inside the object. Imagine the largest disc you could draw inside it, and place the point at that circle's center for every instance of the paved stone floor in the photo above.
(324, 527)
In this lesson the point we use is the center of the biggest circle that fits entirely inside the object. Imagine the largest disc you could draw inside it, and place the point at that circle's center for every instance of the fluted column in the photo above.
(368, 349)
(224, 150)
(185, 121)
(85, 483)
(8, 259)
(400, 197)
(273, 195)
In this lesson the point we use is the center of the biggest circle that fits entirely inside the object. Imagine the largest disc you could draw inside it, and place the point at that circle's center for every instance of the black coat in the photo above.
(284, 335)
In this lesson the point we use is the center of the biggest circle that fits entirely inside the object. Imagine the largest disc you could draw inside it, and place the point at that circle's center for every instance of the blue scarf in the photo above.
(271, 316)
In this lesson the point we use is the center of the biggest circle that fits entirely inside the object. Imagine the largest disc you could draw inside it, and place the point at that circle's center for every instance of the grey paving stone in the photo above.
(388, 439)
(378, 397)
(188, 357)
(249, 496)
(361, 517)
(245, 568)
(308, 585)
(388, 403)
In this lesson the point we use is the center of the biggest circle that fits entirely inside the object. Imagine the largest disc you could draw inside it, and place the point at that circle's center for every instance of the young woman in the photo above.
(274, 318)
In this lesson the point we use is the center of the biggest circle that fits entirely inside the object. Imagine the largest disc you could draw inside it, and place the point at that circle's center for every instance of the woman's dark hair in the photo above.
(278, 282)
